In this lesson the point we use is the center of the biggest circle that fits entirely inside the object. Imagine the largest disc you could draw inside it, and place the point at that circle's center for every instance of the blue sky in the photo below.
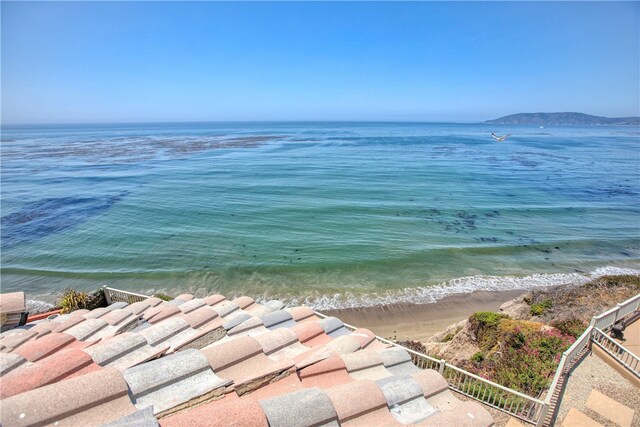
(208, 61)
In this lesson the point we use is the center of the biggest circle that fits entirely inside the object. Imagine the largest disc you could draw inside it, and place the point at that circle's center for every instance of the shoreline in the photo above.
(406, 321)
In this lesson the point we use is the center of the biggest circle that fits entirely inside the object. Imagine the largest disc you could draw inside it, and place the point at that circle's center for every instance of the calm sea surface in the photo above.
(341, 214)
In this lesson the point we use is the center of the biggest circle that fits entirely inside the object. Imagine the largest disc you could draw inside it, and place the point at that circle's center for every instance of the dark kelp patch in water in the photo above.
(42, 218)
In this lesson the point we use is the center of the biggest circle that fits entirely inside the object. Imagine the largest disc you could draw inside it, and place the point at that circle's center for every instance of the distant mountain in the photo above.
(555, 119)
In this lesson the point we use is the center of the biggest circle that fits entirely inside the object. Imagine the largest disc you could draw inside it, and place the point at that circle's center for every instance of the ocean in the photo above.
(328, 214)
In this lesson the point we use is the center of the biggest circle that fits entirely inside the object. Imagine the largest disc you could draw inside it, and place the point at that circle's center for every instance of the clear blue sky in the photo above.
(456, 61)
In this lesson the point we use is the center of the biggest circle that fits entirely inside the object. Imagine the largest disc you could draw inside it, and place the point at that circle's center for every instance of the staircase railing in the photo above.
(617, 351)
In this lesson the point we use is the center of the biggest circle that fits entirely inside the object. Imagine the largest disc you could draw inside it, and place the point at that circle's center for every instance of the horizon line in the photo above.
(2, 125)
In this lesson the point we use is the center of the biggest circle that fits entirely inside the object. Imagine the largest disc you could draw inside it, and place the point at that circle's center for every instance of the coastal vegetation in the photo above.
(520, 346)
(72, 300)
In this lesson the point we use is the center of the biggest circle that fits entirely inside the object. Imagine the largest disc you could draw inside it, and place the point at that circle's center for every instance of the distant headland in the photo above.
(555, 119)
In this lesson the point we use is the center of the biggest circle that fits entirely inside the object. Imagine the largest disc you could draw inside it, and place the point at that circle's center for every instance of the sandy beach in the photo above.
(421, 321)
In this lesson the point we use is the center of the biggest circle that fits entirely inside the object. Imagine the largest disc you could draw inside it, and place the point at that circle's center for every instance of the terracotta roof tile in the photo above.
(235, 319)
(365, 365)
(338, 346)
(185, 297)
(258, 310)
(334, 327)
(153, 301)
(212, 300)
(278, 319)
(87, 329)
(224, 413)
(256, 357)
(360, 403)
(48, 345)
(97, 313)
(309, 407)
(15, 338)
(117, 305)
(281, 343)
(203, 316)
(11, 361)
(173, 333)
(405, 400)
(170, 382)
(301, 314)
(368, 339)
(124, 351)
(64, 364)
(192, 305)
(274, 305)
(121, 317)
(242, 360)
(311, 334)
(398, 361)
(289, 384)
(225, 308)
(43, 328)
(13, 302)
(139, 307)
(246, 302)
(67, 322)
(249, 327)
(90, 399)
(324, 374)
(430, 381)
(160, 313)
(141, 418)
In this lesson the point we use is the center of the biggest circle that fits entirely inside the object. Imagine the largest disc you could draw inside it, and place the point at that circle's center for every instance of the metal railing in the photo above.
(593, 333)
(618, 312)
(116, 295)
(617, 351)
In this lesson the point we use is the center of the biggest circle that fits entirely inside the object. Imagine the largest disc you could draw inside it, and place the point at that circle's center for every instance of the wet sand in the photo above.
(421, 321)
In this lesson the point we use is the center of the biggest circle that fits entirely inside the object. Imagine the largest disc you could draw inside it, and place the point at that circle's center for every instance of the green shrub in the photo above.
(574, 327)
(72, 300)
(163, 297)
(539, 308)
(478, 357)
(448, 337)
(530, 362)
(485, 325)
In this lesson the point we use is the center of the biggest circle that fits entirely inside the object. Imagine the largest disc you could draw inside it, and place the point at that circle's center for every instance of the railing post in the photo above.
(441, 367)
(617, 312)
(107, 296)
(543, 414)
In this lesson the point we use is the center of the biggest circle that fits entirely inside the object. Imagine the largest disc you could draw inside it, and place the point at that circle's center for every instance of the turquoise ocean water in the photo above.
(337, 214)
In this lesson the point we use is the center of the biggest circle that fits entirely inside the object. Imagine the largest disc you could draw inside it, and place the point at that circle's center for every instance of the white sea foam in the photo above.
(462, 285)
(416, 295)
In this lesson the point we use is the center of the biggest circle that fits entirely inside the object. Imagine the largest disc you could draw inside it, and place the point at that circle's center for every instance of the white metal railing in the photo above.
(115, 295)
(617, 351)
(594, 333)
(569, 357)
(618, 312)
(517, 404)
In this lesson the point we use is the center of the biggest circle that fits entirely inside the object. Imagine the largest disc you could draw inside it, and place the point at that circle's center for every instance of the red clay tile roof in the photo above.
(218, 375)
(90, 399)
(64, 364)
